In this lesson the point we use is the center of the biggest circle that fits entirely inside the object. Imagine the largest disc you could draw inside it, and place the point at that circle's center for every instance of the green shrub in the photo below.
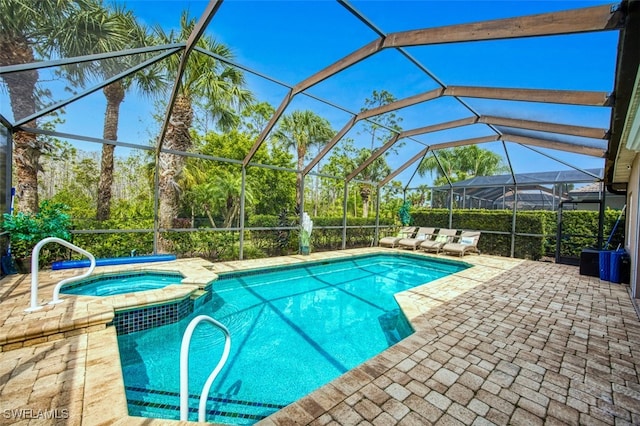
(578, 227)
(26, 230)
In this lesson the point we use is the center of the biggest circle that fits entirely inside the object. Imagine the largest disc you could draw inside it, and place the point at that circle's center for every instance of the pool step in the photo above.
(220, 407)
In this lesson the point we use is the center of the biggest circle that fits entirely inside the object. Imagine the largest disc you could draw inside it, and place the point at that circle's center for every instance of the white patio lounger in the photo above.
(392, 241)
(423, 234)
(467, 243)
(444, 236)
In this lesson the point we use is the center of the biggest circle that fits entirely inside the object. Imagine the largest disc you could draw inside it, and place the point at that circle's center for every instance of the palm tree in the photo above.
(419, 197)
(373, 172)
(301, 130)
(481, 162)
(31, 30)
(130, 34)
(197, 189)
(444, 166)
(205, 78)
(147, 83)
(226, 191)
(461, 163)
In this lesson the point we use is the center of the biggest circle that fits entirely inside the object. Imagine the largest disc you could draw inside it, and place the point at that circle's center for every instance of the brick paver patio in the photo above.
(537, 344)
(507, 342)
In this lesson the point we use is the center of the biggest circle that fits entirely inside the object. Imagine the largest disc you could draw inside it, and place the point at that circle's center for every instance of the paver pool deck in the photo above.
(507, 341)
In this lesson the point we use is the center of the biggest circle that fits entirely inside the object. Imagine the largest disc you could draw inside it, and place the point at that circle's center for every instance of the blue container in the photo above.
(604, 258)
(85, 263)
(615, 265)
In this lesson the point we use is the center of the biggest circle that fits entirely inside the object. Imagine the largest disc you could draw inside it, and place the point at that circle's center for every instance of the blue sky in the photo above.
(291, 40)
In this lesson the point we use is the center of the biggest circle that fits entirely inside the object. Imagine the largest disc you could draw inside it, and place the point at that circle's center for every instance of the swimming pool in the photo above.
(293, 330)
(121, 283)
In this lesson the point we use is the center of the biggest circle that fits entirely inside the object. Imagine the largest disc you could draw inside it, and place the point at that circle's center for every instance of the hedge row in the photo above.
(275, 243)
(579, 229)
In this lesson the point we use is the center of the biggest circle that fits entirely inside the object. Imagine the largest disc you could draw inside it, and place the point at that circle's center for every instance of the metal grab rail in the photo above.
(35, 255)
(184, 367)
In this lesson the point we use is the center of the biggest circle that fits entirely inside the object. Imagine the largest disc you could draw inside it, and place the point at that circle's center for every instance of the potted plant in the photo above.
(27, 229)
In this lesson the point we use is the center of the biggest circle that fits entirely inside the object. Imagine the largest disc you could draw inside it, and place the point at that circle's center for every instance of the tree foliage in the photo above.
(300, 131)
(212, 188)
(31, 31)
(460, 163)
(206, 81)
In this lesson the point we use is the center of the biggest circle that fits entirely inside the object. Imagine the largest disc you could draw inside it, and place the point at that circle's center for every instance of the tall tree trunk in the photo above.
(299, 195)
(302, 152)
(171, 165)
(26, 147)
(209, 215)
(316, 195)
(115, 95)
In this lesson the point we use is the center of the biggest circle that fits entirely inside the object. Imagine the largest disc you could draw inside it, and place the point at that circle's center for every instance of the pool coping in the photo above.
(87, 313)
(102, 352)
(410, 301)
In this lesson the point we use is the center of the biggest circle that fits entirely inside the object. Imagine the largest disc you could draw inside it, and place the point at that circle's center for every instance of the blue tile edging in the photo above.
(143, 318)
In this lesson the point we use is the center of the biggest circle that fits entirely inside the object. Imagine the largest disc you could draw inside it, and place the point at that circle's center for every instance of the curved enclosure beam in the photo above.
(545, 143)
(330, 145)
(597, 18)
(557, 145)
(463, 142)
(565, 129)
(272, 122)
(587, 132)
(403, 167)
(401, 103)
(408, 133)
(569, 97)
(438, 127)
(572, 97)
(377, 153)
(342, 64)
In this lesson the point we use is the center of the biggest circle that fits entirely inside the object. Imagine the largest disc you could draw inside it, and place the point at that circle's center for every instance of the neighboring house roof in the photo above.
(561, 176)
(592, 187)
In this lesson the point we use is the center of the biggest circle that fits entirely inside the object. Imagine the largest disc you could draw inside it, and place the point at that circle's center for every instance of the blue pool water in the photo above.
(120, 283)
(293, 330)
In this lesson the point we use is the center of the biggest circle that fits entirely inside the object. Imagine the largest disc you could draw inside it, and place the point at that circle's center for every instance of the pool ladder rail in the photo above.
(184, 367)
(35, 255)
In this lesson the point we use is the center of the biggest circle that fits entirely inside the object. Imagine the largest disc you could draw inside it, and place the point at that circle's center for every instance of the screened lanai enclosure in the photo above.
(209, 128)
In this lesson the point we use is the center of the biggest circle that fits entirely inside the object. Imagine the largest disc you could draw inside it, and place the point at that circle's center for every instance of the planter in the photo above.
(304, 250)
(23, 264)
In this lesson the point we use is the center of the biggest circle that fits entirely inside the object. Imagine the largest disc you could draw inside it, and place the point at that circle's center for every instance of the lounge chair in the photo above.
(392, 241)
(467, 243)
(423, 234)
(443, 237)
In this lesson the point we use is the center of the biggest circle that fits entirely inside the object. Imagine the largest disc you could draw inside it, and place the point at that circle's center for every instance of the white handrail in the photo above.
(184, 367)
(35, 254)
